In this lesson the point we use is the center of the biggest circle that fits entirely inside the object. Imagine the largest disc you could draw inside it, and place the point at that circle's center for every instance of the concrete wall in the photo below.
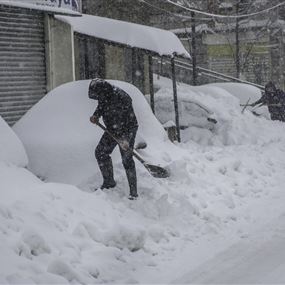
(114, 63)
(59, 52)
(89, 57)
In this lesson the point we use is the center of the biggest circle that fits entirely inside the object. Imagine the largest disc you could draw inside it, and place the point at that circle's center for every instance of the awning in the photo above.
(157, 41)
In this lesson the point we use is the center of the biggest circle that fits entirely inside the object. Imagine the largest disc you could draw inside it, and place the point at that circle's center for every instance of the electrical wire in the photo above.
(225, 16)
(185, 17)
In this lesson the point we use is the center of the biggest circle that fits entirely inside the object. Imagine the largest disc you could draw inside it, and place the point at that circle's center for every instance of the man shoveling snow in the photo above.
(116, 109)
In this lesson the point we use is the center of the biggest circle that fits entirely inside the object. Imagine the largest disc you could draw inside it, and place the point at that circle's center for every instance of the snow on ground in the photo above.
(221, 195)
(258, 259)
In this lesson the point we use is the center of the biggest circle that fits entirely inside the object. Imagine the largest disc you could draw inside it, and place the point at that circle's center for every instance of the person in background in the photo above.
(274, 99)
(116, 109)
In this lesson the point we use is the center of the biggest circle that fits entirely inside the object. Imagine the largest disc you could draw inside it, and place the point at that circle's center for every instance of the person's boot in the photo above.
(108, 175)
(132, 179)
(108, 185)
(133, 197)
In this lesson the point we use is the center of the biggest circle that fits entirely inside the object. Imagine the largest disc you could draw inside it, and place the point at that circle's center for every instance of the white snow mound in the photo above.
(60, 140)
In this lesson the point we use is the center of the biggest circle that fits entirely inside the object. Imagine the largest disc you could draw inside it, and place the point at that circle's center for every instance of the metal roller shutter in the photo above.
(22, 61)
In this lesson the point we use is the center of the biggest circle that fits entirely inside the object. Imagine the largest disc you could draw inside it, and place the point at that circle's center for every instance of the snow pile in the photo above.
(216, 195)
(11, 149)
(217, 101)
(246, 94)
(55, 234)
(60, 140)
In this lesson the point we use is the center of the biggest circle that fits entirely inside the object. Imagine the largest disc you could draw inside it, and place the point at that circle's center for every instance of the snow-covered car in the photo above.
(58, 135)
(195, 103)
(205, 110)
(192, 110)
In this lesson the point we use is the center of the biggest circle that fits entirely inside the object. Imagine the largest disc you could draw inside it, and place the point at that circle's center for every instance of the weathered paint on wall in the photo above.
(59, 52)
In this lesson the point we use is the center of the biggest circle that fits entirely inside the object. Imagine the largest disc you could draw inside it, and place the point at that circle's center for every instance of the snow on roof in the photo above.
(162, 42)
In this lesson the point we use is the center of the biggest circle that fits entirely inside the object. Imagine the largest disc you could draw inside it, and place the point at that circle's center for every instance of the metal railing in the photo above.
(207, 72)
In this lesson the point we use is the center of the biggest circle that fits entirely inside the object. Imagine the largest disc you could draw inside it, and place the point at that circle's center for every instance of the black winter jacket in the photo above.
(275, 103)
(116, 109)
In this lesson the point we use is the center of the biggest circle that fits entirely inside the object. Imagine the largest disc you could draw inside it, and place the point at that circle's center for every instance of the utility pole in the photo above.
(86, 46)
(189, 42)
(194, 51)
(237, 42)
(282, 54)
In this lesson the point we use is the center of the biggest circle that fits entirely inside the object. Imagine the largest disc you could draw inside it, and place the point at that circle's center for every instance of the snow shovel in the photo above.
(154, 170)
(245, 105)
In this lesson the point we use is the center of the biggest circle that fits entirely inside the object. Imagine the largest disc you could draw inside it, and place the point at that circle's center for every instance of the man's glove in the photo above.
(124, 145)
(94, 119)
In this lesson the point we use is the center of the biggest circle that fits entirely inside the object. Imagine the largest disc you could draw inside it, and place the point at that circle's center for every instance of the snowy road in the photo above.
(219, 218)
(260, 259)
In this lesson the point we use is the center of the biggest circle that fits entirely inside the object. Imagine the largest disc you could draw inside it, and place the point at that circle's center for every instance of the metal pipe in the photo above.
(175, 99)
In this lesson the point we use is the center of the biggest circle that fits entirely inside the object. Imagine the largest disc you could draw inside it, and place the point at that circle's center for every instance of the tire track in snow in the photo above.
(261, 259)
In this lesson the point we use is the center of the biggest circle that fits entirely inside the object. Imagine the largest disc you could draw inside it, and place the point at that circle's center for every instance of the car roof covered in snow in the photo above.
(154, 40)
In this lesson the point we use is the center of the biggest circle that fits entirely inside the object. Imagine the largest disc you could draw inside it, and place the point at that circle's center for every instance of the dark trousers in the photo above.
(103, 150)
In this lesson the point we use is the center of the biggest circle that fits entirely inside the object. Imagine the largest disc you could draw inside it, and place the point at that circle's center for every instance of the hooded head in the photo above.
(270, 88)
(99, 87)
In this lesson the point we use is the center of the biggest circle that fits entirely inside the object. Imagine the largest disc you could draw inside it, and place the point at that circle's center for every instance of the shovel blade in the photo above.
(157, 171)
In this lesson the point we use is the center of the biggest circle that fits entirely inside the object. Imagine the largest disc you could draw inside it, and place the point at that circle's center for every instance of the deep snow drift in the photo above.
(220, 192)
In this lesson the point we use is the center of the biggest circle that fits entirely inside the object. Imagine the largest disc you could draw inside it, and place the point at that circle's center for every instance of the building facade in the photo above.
(99, 59)
(36, 52)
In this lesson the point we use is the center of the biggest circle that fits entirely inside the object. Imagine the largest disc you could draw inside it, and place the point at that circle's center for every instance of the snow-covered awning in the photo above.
(157, 41)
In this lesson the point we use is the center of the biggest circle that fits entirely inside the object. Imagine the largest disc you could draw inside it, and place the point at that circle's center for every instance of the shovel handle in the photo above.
(135, 154)
(155, 171)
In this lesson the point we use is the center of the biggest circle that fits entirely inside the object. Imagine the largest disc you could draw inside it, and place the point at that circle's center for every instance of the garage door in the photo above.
(22, 61)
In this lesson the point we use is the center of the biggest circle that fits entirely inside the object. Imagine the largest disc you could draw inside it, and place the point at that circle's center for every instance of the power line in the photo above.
(158, 8)
(185, 17)
(224, 16)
